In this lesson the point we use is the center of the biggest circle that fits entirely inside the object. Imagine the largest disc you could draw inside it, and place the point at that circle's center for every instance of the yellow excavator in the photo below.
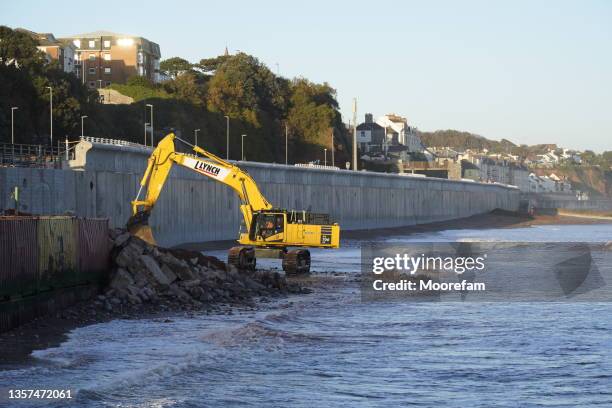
(266, 232)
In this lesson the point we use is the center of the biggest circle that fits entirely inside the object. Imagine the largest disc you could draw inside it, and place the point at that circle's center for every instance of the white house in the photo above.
(548, 184)
(397, 126)
(549, 158)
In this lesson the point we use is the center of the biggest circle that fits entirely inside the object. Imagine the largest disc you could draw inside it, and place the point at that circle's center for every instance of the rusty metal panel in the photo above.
(57, 252)
(93, 249)
(18, 256)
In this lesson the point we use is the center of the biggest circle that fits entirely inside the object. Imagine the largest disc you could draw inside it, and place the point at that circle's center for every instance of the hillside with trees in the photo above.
(464, 140)
(198, 95)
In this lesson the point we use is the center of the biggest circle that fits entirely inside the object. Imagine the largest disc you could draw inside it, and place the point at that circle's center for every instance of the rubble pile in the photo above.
(147, 276)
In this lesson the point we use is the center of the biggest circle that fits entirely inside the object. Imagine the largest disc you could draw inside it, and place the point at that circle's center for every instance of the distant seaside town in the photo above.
(391, 140)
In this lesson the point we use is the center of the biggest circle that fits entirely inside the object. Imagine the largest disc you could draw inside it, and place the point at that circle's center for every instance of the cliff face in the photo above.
(595, 180)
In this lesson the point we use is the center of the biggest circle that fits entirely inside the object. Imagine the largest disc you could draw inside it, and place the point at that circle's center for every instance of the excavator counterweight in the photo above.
(266, 231)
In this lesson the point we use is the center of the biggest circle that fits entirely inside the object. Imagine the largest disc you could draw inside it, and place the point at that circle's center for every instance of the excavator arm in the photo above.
(158, 169)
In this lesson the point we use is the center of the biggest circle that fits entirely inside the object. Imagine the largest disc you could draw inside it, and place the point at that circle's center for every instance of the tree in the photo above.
(607, 158)
(190, 87)
(589, 157)
(210, 65)
(313, 111)
(175, 66)
(244, 88)
(18, 49)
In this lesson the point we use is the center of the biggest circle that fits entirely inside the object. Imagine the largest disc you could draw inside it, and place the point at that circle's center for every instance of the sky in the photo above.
(530, 72)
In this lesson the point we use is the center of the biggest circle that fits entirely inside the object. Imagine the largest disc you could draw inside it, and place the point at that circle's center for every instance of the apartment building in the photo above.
(104, 57)
(54, 49)
(503, 171)
(519, 176)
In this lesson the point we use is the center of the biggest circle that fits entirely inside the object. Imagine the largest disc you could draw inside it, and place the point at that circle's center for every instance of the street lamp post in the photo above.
(83, 125)
(286, 144)
(355, 134)
(151, 106)
(243, 136)
(51, 112)
(227, 136)
(325, 153)
(196, 136)
(145, 133)
(332, 147)
(13, 109)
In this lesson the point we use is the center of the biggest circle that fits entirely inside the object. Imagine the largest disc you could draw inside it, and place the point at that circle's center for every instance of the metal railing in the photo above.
(24, 155)
(316, 166)
(45, 156)
(114, 142)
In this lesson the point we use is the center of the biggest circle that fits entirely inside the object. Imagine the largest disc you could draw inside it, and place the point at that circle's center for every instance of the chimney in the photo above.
(368, 118)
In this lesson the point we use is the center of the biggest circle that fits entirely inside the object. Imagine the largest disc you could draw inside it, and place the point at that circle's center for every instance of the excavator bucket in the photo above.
(138, 225)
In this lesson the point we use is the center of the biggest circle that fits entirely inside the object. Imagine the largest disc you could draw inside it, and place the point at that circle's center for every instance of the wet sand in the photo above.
(600, 215)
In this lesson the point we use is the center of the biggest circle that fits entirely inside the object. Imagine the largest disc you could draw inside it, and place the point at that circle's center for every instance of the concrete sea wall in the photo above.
(194, 209)
(568, 202)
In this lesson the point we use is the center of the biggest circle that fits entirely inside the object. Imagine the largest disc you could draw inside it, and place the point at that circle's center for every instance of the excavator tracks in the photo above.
(242, 257)
(297, 262)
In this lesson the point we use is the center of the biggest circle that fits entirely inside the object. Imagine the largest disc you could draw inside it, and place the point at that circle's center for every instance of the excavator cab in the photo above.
(268, 227)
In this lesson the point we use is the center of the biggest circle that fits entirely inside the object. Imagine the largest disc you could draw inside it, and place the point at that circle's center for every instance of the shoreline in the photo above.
(494, 219)
(42, 333)
(603, 215)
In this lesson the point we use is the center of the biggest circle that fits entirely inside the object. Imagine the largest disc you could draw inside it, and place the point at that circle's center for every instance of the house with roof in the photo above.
(54, 49)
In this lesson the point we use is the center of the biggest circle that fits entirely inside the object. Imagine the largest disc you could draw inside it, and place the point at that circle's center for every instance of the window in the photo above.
(107, 71)
(92, 71)
(106, 43)
(108, 83)
(92, 84)
(92, 57)
(107, 56)
(268, 225)
(77, 43)
(92, 43)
